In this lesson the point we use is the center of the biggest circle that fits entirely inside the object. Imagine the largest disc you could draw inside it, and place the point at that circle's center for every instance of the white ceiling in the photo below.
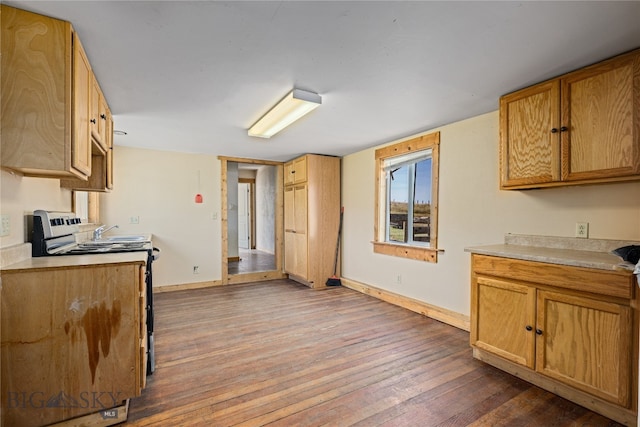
(192, 76)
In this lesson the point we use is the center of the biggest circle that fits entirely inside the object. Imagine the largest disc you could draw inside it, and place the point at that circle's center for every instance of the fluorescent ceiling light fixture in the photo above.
(292, 107)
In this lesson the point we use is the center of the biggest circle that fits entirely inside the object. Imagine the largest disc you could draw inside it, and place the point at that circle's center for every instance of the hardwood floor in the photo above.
(252, 260)
(280, 354)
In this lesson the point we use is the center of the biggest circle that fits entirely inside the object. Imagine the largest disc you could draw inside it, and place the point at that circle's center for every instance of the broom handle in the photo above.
(335, 263)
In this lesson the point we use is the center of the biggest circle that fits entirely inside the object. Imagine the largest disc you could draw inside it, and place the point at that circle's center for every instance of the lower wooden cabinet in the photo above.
(569, 330)
(73, 341)
(586, 343)
(504, 310)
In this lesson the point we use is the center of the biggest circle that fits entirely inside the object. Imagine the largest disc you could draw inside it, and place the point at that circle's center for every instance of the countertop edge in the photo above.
(76, 261)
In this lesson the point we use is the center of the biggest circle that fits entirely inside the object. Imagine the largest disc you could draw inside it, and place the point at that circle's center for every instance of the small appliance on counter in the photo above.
(54, 234)
(630, 254)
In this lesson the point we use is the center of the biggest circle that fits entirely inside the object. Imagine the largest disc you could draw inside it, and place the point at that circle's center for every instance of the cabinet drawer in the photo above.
(603, 282)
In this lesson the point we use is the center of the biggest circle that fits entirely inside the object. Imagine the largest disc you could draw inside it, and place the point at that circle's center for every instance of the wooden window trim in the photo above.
(422, 253)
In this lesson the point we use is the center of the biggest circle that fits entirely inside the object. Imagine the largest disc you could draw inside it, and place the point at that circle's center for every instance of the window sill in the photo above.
(407, 251)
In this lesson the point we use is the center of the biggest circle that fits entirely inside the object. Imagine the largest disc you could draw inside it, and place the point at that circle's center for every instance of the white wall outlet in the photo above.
(399, 279)
(582, 230)
(134, 220)
(214, 215)
(196, 269)
(5, 225)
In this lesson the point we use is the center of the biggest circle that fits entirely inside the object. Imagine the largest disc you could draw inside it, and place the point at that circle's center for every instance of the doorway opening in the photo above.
(252, 215)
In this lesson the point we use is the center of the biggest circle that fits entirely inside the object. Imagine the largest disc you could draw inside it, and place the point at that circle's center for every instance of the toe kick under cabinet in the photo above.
(570, 330)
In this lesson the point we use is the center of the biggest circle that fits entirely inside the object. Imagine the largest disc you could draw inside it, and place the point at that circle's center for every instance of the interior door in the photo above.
(244, 223)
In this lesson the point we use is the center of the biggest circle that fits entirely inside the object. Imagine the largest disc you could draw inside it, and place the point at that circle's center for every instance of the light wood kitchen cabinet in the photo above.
(567, 329)
(586, 343)
(73, 340)
(99, 130)
(311, 218)
(109, 165)
(45, 87)
(511, 306)
(81, 141)
(295, 225)
(295, 171)
(101, 178)
(100, 115)
(580, 128)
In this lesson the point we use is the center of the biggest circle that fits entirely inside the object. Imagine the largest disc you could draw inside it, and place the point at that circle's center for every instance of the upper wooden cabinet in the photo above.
(47, 92)
(295, 171)
(99, 115)
(101, 178)
(81, 139)
(580, 128)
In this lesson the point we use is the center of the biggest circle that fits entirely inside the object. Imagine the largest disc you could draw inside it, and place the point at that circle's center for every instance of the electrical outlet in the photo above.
(5, 225)
(196, 269)
(134, 220)
(582, 230)
(399, 279)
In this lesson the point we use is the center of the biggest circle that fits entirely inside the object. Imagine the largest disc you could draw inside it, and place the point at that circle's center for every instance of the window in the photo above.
(407, 198)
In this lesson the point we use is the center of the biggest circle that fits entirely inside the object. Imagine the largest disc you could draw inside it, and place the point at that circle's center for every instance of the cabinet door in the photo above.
(295, 171)
(289, 252)
(109, 137)
(300, 170)
(295, 224)
(81, 142)
(74, 338)
(585, 343)
(288, 173)
(502, 319)
(529, 135)
(600, 105)
(300, 209)
(98, 114)
(289, 230)
(289, 217)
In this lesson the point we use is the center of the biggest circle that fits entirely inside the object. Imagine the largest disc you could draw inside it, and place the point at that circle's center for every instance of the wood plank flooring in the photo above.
(251, 261)
(280, 354)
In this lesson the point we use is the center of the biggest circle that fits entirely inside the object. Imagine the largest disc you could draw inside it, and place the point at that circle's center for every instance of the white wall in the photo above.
(266, 209)
(20, 196)
(160, 188)
(473, 211)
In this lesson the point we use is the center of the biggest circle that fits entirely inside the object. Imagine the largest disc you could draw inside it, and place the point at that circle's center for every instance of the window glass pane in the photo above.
(422, 202)
(398, 203)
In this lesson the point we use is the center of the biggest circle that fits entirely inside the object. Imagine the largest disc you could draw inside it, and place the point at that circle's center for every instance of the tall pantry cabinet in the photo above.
(311, 218)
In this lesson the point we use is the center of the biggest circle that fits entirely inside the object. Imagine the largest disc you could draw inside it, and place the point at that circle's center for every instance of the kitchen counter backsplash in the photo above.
(588, 253)
(594, 245)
